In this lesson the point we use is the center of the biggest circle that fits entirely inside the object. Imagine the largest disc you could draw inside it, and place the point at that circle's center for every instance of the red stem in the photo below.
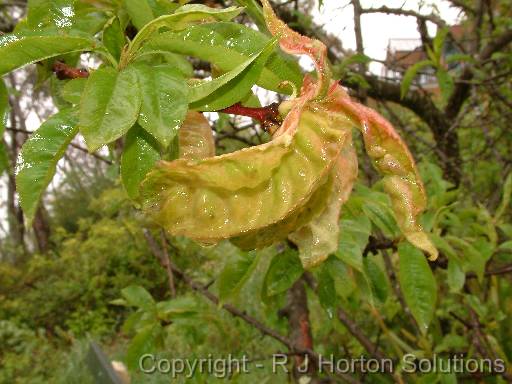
(64, 71)
(268, 116)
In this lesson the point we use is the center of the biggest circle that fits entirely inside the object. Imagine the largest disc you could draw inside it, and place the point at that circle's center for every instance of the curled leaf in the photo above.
(392, 159)
(234, 194)
(294, 184)
(196, 137)
(319, 238)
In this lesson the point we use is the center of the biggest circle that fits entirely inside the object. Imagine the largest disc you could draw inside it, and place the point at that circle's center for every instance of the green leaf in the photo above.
(377, 278)
(229, 45)
(474, 259)
(326, 290)
(164, 101)
(235, 274)
(283, 272)
(365, 287)
(254, 9)
(140, 154)
(446, 83)
(144, 342)
(179, 307)
(140, 12)
(38, 158)
(410, 74)
(184, 16)
(354, 233)
(72, 90)
(456, 276)
(343, 279)
(438, 42)
(139, 297)
(19, 49)
(232, 86)
(44, 13)
(113, 38)
(110, 106)
(505, 199)
(418, 284)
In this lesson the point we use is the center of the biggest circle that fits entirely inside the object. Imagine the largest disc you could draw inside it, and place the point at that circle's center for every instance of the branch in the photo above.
(405, 12)
(461, 92)
(461, 5)
(354, 330)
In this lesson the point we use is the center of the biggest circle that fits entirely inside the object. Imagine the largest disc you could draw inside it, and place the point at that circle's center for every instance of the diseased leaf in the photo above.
(196, 138)
(229, 45)
(389, 153)
(284, 270)
(207, 200)
(164, 101)
(231, 87)
(28, 47)
(418, 285)
(319, 238)
(140, 154)
(38, 158)
(110, 106)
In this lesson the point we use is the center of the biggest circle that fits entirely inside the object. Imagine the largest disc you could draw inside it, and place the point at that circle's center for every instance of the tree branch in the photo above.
(461, 92)
(406, 12)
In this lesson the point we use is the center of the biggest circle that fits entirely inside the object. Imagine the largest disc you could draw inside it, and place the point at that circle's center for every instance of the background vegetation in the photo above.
(86, 269)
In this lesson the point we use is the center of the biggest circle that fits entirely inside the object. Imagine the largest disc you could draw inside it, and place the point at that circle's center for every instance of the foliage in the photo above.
(286, 213)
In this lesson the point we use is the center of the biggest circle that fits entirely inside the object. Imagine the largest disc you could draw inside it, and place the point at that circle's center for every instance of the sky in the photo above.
(336, 16)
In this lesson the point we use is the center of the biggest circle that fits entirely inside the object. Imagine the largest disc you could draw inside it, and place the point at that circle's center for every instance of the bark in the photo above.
(297, 312)
(41, 228)
(15, 215)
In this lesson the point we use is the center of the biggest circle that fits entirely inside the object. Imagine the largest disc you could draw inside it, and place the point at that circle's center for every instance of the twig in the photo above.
(268, 116)
(354, 330)
(166, 261)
